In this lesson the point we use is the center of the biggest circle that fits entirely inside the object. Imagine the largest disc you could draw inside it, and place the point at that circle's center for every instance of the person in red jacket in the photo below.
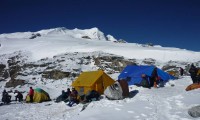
(31, 93)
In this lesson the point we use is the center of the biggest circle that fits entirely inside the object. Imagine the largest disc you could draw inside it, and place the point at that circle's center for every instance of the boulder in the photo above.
(194, 111)
(114, 92)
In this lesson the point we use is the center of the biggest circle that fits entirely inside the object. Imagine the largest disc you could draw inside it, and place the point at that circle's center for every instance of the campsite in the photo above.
(166, 103)
(114, 70)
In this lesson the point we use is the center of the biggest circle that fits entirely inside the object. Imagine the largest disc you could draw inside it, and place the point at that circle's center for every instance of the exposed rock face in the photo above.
(55, 74)
(168, 67)
(70, 65)
(14, 83)
(149, 61)
(2, 66)
(33, 36)
(121, 41)
(113, 62)
(2, 70)
(14, 70)
(86, 37)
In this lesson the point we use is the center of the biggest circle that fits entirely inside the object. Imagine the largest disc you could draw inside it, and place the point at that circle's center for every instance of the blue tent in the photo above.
(133, 74)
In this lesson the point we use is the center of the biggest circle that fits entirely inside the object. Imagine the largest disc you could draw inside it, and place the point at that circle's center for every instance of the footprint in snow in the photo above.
(179, 103)
(144, 115)
(130, 111)
(137, 117)
(148, 108)
(117, 109)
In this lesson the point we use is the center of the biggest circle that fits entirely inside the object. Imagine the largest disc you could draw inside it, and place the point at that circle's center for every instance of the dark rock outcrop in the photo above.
(86, 37)
(15, 83)
(55, 74)
(33, 36)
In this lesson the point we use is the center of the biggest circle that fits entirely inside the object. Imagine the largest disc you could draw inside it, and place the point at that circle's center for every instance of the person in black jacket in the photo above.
(19, 96)
(144, 81)
(193, 73)
(154, 77)
(181, 71)
(6, 98)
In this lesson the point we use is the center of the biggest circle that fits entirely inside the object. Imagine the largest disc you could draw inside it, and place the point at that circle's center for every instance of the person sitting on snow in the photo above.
(19, 96)
(144, 81)
(92, 95)
(6, 98)
(73, 97)
(68, 92)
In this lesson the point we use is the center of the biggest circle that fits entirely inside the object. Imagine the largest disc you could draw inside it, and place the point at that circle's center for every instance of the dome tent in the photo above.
(39, 96)
(133, 74)
(92, 80)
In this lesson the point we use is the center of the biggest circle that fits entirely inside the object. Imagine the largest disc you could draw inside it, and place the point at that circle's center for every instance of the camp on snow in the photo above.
(92, 80)
(39, 96)
(133, 73)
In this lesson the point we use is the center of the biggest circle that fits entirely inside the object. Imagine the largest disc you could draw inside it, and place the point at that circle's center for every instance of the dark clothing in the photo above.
(92, 95)
(181, 71)
(193, 73)
(4, 93)
(63, 96)
(6, 98)
(145, 82)
(73, 98)
(74, 95)
(154, 77)
(68, 92)
(19, 96)
(31, 98)
(198, 79)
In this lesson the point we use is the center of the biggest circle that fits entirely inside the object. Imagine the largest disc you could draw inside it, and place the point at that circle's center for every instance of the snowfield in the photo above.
(167, 103)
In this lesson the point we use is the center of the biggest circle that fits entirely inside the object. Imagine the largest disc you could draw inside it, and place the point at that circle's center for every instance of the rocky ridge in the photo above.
(17, 70)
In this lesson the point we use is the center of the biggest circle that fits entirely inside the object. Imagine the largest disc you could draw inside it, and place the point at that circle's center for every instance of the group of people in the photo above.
(155, 80)
(195, 74)
(6, 98)
(70, 96)
(151, 81)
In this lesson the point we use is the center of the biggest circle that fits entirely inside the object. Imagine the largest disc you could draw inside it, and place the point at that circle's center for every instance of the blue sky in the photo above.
(169, 23)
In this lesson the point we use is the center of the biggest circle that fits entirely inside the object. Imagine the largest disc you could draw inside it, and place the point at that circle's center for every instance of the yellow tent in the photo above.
(39, 96)
(92, 80)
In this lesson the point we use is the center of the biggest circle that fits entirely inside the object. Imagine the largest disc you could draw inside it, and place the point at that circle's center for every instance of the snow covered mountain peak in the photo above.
(53, 31)
(111, 38)
(50, 42)
(93, 33)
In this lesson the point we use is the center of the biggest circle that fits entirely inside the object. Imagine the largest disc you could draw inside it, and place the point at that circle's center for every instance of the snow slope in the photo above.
(60, 40)
(168, 103)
